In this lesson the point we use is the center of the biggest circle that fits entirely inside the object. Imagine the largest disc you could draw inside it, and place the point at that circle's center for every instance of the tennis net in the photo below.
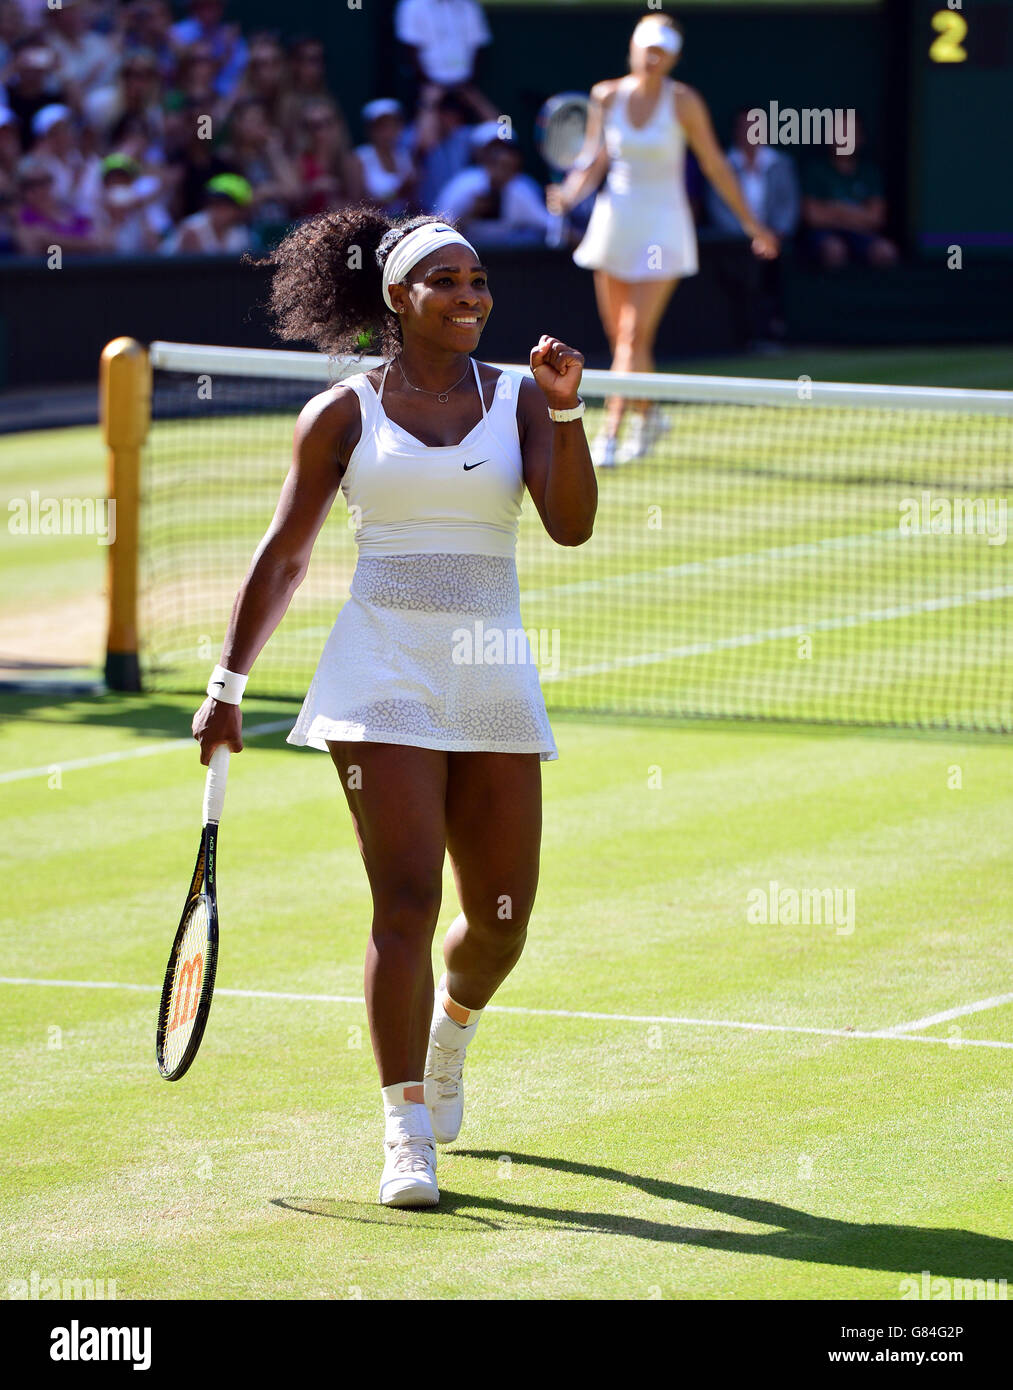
(782, 550)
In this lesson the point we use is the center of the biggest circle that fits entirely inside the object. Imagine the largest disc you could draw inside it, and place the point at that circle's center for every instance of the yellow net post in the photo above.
(125, 414)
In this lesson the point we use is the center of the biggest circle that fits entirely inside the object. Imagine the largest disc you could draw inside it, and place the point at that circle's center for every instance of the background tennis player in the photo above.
(641, 240)
(436, 750)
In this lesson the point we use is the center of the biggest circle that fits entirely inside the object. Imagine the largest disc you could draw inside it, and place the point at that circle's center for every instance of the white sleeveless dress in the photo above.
(429, 649)
(641, 227)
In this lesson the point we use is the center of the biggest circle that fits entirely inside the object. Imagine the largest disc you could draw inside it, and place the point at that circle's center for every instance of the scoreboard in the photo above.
(960, 150)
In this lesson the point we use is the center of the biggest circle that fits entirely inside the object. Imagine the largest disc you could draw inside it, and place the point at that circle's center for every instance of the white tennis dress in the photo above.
(641, 227)
(430, 650)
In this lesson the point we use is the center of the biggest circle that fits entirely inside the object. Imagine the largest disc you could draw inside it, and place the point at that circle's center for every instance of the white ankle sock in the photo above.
(453, 1026)
(404, 1110)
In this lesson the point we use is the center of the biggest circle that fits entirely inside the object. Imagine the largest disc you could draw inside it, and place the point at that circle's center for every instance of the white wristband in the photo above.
(227, 686)
(561, 416)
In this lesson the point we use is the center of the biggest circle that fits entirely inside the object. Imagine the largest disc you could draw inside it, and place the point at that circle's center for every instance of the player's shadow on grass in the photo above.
(801, 1235)
(372, 1214)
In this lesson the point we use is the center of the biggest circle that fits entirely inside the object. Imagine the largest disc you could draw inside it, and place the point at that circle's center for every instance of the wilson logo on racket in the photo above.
(191, 974)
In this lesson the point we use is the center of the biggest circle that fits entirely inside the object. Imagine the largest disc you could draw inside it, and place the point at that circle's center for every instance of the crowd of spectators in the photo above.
(133, 126)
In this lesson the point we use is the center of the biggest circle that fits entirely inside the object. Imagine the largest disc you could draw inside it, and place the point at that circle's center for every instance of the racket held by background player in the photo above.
(559, 132)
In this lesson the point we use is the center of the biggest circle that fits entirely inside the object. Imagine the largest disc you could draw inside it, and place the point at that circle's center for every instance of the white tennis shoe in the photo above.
(644, 433)
(409, 1172)
(443, 1080)
(603, 451)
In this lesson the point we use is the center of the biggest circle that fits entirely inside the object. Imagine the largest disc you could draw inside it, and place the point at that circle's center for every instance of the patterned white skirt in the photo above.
(429, 651)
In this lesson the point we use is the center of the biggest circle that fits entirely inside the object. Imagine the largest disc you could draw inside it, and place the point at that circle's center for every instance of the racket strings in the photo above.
(188, 978)
(561, 130)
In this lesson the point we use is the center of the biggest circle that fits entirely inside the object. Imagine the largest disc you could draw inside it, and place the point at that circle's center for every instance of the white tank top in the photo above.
(407, 497)
(654, 154)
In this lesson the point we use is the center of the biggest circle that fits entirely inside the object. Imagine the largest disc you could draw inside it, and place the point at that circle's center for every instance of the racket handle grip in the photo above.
(214, 784)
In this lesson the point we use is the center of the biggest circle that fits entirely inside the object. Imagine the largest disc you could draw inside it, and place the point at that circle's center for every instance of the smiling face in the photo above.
(446, 301)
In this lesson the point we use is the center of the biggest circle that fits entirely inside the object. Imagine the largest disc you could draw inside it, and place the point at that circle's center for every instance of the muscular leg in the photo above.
(494, 822)
(397, 799)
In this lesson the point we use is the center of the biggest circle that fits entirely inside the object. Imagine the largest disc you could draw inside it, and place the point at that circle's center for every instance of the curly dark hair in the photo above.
(327, 281)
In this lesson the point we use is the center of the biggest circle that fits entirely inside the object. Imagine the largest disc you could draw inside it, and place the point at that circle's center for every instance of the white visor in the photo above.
(414, 248)
(652, 32)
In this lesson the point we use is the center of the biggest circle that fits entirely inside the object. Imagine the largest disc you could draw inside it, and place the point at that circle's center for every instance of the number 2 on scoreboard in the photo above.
(952, 29)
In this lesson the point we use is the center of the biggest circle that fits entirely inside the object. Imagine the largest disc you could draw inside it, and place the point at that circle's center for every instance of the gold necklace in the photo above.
(441, 396)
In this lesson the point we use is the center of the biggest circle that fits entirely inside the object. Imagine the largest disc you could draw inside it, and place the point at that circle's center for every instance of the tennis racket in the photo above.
(559, 133)
(190, 974)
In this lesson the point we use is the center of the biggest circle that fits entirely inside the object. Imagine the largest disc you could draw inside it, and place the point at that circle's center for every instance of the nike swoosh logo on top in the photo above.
(469, 466)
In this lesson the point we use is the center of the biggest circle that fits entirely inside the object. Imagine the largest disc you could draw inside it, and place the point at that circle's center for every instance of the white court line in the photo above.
(146, 750)
(715, 562)
(752, 639)
(883, 1036)
(650, 576)
(929, 1020)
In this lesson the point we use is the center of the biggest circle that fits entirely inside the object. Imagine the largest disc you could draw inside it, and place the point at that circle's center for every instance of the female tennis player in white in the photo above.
(437, 751)
(640, 241)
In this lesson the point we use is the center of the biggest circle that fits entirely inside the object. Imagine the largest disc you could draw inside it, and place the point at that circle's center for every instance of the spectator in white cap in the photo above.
(495, 203)
(442, 38)
(77, 177)
(387, 171)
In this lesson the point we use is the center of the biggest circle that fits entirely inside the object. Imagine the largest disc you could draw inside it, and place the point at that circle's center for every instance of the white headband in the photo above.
(653, 32)
(414, 248)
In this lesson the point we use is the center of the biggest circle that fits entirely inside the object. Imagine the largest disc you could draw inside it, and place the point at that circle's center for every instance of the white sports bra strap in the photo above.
(481, 393)
(386, 369)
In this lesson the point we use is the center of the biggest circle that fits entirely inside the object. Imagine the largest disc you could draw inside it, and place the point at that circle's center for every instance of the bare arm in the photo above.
(592, 162)
(558, 471)
(325, 434)
(696, 122)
